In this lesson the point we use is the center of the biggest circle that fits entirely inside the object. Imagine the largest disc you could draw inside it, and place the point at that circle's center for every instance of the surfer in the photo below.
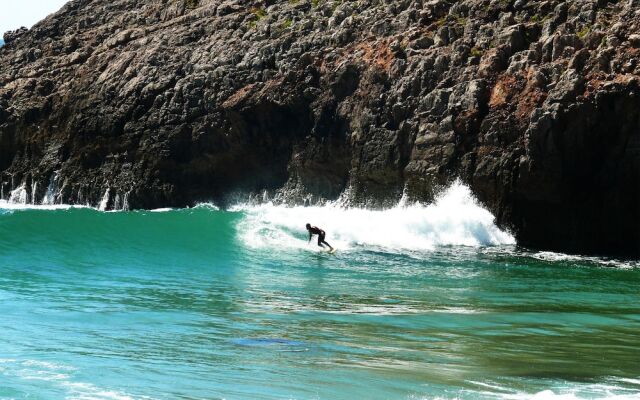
(314, 230)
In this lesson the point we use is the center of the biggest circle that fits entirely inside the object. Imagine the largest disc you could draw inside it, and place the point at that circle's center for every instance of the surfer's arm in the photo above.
(310, 235)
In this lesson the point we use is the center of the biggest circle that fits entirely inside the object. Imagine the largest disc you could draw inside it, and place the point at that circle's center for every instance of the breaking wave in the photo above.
(454, 219)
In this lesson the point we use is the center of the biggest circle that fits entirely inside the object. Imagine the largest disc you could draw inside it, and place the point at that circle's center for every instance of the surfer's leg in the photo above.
(320, 240)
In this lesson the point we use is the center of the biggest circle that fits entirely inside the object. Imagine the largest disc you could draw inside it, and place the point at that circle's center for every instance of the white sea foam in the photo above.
(455, 218)
(7, 205)
(160, 210)
(207, 206)
(579, 393)
(553, 256)
(611, 389)
(630, 380)
(60, 376)
(572, 260)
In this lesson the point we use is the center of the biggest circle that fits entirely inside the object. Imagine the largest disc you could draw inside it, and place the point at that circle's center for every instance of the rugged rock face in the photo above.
(143, 103)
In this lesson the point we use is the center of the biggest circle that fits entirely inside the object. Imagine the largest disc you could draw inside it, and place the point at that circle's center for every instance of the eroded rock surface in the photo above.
(533, 104)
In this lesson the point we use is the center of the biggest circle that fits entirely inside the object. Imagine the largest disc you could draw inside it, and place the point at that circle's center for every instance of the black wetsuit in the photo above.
(321, 235)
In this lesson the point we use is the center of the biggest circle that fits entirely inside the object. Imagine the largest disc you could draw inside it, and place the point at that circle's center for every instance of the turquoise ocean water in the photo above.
(419, 303)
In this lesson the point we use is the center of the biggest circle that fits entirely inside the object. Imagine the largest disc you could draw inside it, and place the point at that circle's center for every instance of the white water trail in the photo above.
(34, 190)
(125, 201)
(105, 200)
(455, 218)
(19, 195)
(50, 195)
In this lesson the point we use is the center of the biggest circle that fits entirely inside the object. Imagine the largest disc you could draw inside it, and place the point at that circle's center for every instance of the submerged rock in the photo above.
(532, 104)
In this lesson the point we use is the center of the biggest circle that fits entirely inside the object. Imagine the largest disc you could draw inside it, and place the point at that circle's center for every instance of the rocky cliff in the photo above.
(148, 103)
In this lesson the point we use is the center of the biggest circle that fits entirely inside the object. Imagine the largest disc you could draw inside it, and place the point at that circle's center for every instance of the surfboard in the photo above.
(333, 251)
